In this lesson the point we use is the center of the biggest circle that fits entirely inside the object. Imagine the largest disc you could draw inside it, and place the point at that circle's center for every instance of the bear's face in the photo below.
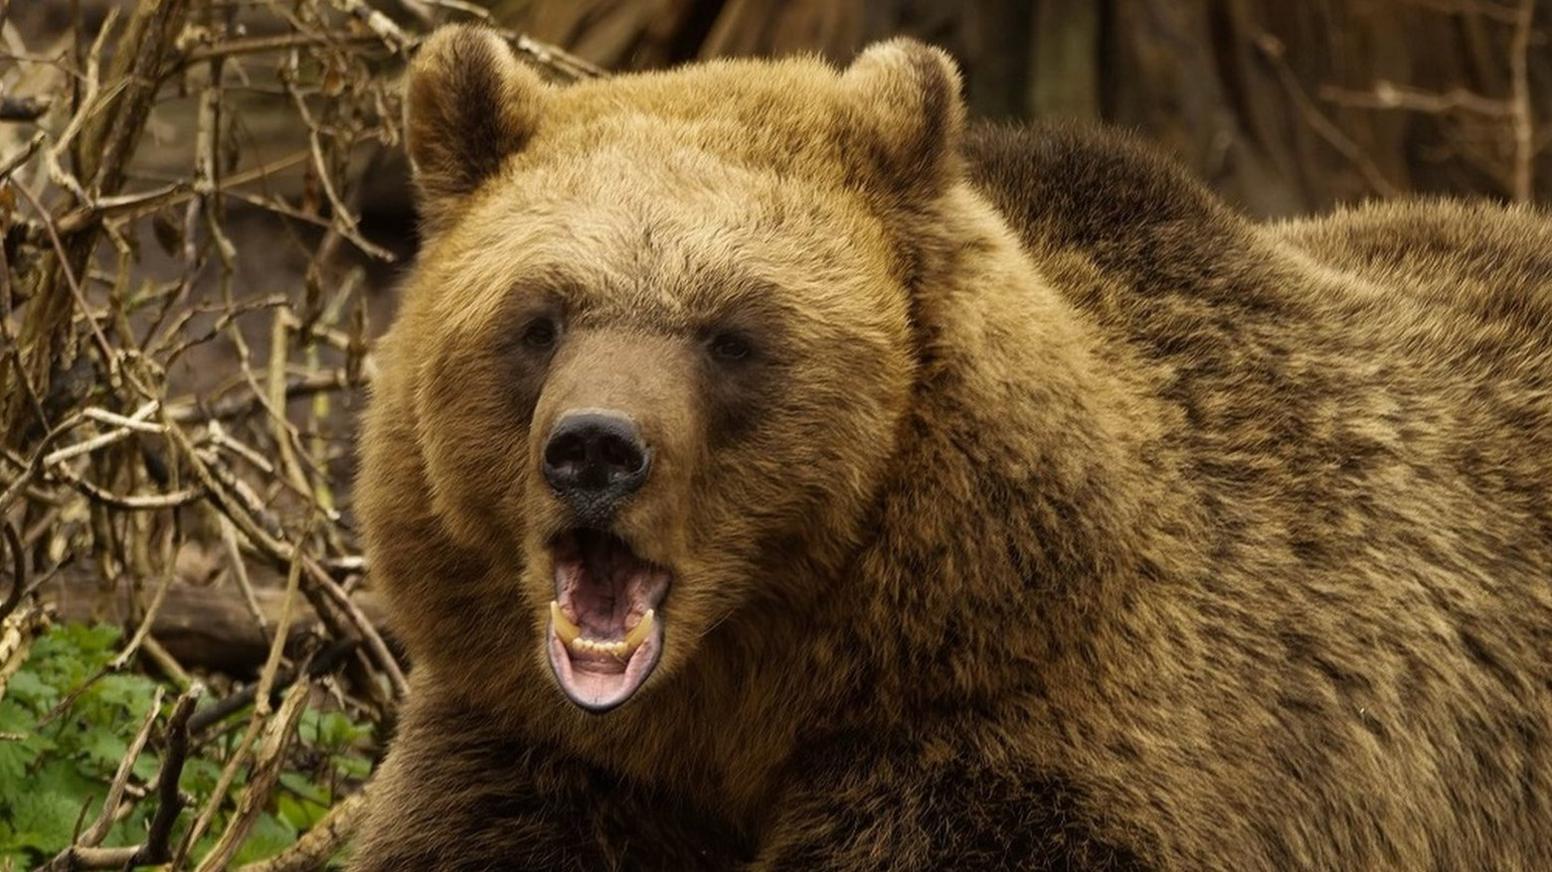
(660, 340)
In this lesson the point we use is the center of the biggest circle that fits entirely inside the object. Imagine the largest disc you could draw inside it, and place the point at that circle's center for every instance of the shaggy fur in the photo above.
(1061, 518)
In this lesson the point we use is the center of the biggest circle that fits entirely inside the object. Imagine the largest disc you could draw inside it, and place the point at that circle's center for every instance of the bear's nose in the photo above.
(594, 459)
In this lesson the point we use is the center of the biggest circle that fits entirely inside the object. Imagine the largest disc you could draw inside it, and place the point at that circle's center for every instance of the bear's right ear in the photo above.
(469, 104)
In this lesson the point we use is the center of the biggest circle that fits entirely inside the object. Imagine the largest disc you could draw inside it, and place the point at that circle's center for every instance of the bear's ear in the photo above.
(469, 104)
(903, 97)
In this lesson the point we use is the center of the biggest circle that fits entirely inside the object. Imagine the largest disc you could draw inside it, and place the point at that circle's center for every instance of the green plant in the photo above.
(66, 723)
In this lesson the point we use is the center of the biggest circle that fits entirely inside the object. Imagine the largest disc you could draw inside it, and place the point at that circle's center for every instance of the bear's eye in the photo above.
(540, 334)
(729, 346)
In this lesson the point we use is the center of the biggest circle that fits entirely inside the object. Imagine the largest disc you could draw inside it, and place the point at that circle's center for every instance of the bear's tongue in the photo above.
(604, 636)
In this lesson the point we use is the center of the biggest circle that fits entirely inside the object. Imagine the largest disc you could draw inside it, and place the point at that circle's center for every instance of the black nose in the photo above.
(594, 459)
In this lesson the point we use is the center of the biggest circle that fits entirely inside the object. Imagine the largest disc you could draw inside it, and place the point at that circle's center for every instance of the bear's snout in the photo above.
(593, 459)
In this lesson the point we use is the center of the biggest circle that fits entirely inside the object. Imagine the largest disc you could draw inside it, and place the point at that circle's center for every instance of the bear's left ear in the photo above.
(903, 98)
(469, 104)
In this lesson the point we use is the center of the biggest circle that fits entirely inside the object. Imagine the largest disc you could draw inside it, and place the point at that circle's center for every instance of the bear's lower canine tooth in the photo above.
(635, 637)
(564, 628)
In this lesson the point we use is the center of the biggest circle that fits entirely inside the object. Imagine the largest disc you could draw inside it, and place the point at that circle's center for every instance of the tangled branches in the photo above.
(185, 290)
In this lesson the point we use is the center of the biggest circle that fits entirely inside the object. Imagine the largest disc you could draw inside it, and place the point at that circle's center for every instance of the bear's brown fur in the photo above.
(1055, 516)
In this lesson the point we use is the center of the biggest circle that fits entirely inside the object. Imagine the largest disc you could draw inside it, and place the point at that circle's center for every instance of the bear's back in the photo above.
(1362, 406)
(1431, 307)
(1142, 219)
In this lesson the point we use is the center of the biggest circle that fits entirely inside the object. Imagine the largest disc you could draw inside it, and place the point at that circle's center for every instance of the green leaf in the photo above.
(200, 776)
(132, 829)
(44, 820)
(293, 811)
(103, 747)
(18, 755)
(146, 766)
(352, 766)
(10, 860)
(26, 687)
(94, 642)
(270, 836)
(14, 718)
(47, 776)
(132, 693)
(303, 787)
(15, 756)
(338, 731)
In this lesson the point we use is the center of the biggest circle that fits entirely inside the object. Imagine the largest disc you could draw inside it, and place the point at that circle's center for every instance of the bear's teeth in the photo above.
(586, 646)
(636, 636)
(571, 635)
(564, 628)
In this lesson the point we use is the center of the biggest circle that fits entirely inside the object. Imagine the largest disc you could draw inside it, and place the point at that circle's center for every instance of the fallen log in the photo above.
(202, 626)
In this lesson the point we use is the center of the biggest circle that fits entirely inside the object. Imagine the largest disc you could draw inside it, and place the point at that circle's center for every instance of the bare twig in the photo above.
(98, 831)
(1487, 9)
(318, 844)
(8, 165)
(269, 44)
(1516, 112)
(34, 466)
(261, 781)
(109, 358)
(16, 633)
(378, 23)
(84, 853)
(149, 618)
(260, 712)
(302, 386)
(170, 801)
(325, 662)
(261, 470)
(1522, 116)
(1389, 95)
(13, 545)
(175, 194)
(123, 431)
(1273, 50)
(564, 64)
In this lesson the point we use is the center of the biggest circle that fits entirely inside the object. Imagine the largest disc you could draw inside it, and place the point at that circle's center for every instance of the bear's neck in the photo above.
(1034, 493)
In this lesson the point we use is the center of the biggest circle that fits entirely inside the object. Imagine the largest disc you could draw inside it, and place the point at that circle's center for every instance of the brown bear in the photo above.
(769, 469)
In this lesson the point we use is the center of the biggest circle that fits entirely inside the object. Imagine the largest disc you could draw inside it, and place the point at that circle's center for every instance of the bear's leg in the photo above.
(452, 799)
(867, 804)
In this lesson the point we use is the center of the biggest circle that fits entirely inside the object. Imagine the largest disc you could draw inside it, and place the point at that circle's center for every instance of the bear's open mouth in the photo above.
(605, 635)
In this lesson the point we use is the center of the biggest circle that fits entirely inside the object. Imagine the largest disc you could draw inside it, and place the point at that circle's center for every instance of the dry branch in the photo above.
(117, 456)
(16, 634)
(1510, 119)
(98, 831)
(18, 582)
(84, 852)
(317, 845)
(1274, 52)
(1522, 115)
(261, 781)
(123, 286)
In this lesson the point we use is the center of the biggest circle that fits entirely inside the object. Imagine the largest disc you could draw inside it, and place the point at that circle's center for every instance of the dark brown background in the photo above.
(1256, 95)
(1284, 106)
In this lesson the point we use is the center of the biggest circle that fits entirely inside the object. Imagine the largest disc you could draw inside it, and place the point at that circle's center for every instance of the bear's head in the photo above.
(656, 354)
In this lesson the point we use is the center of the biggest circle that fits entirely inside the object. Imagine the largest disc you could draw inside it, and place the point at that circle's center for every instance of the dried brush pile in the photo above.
(174, 439)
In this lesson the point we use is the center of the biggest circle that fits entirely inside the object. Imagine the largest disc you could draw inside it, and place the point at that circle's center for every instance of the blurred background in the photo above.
(205, 210)
(1283, 107)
